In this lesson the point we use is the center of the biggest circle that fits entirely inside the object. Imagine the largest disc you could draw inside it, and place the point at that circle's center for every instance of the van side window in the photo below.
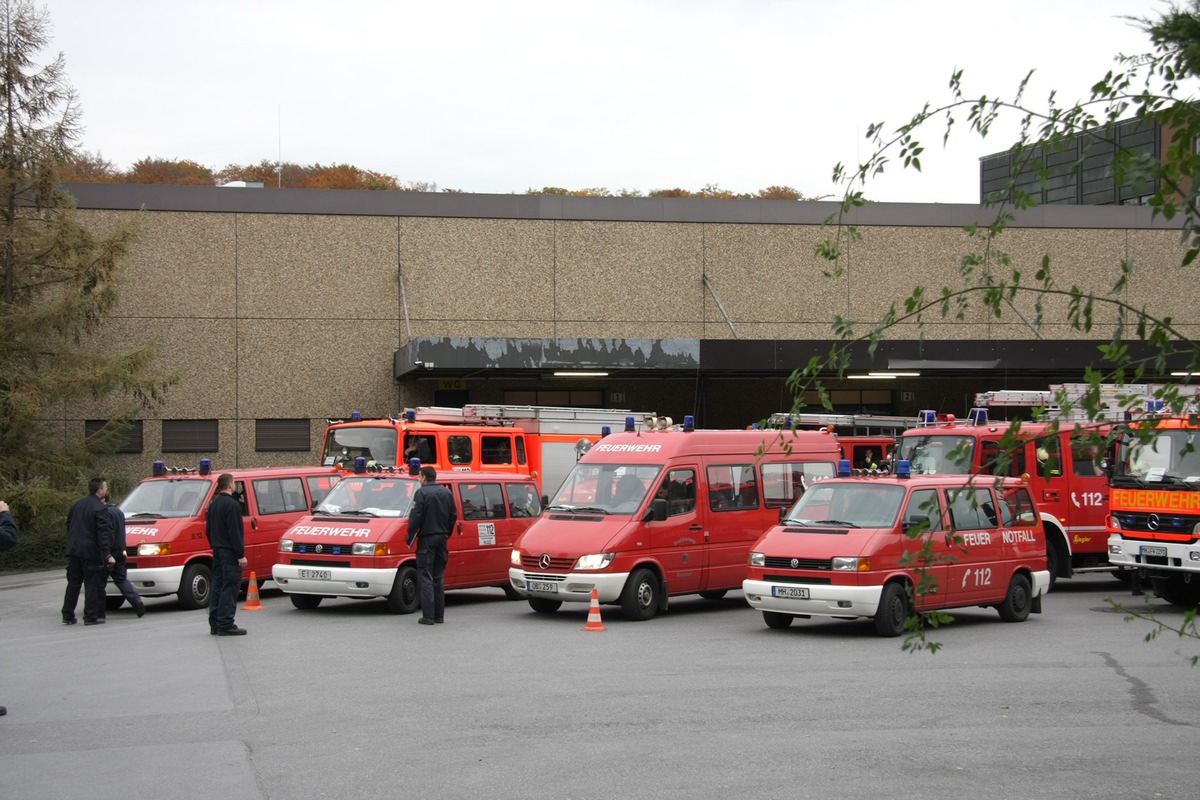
(279, 495)
(924, 506)
(732, 486)
(495, 449)
(970, 508)
(239, 494)
(482, 500)
(520, 449)
(678, 488)
(459, 450)
(1085, 458)
(523, 500)
(422, 447)
(1017, 509)
(1049, 459)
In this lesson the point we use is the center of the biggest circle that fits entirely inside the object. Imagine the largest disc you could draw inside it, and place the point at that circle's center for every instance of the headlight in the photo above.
(758, 560)
(154, 549)
(514, 557)
(286, 545)
(851, 564)
(1114, 549)
(368, 549)
(595, 561)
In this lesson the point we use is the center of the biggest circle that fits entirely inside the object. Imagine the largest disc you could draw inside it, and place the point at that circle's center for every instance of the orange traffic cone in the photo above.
(594, 623)
(252, 602)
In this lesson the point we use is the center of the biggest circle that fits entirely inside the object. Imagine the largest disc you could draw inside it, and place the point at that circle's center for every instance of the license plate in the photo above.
(793, 592)
(316, 574)
(1154, 550)
(542, 586)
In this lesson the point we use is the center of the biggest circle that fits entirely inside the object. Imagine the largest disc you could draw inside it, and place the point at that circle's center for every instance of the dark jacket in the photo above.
(117, 516)
(223, 525)
(8, 530)
(89, 530)
(433, 512)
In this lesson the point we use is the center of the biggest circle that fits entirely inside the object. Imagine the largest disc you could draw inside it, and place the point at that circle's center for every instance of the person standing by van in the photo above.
(120, 574)
(89, 542)
(226, 537)
(8, 540)
(430, 523)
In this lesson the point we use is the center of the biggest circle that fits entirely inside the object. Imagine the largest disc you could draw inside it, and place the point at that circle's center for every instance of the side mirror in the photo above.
(915, 521)
(783, 513)
(658, 509)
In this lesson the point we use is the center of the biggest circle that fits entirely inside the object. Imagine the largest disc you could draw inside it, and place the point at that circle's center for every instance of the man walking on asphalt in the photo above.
(120, 573)
(430, 523)
(226, 537)
(8, 539)
(89, 546)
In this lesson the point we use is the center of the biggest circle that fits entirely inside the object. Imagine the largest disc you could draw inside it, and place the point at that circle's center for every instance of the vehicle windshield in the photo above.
(606, 488)
(376, 443)
(373, 496)
(1168, 457)
(944, 454)
(182, 497)
(848, 504)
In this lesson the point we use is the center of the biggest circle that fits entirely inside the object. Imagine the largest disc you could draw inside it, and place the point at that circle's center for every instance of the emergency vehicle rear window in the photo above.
(972, 508)
(482, 500)
(495, 449)
(1017, 508)
(279, 495)
(732, 486)
(783, 483)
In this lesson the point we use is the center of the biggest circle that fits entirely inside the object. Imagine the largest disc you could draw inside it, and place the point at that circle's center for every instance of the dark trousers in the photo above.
(120, 579)
(91, 576)
(226, 580)
(432, 558)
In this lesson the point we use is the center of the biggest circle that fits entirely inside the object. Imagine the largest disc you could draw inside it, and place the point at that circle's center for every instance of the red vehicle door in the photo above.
(269, 506)
(678, 541)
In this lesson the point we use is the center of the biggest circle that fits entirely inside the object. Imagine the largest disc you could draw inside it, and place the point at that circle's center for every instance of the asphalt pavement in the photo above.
(704, 701)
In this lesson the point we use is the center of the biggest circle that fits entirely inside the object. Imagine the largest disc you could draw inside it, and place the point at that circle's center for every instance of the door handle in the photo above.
(696, 527)
(253, 523)
(1050, 496)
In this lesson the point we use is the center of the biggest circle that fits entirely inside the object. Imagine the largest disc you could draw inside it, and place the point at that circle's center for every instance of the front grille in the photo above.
(537, 576)
(529, 562)
(819, 564)
(1168, 524)
(330, 549)
(797, 579)
(318, 562)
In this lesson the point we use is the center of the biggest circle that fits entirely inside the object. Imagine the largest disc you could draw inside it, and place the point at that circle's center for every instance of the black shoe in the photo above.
(140, 608)
(234, 631)
(438, 620)
(3, 711)
(94, 621)
(424, 621)
(70, 621)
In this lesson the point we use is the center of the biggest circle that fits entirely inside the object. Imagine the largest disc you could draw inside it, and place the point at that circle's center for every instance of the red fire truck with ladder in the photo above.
(541, 441)
(1063, 461)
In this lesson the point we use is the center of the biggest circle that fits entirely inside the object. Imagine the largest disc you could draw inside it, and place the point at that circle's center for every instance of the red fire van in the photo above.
(841, 551)
(164, 525)
(354, 543)
(666, 512)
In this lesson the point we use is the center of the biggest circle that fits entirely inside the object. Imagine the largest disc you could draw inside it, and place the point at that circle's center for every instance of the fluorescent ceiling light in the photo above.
(581, 374)
(1184, 374)
(894, 374)
(874, 376)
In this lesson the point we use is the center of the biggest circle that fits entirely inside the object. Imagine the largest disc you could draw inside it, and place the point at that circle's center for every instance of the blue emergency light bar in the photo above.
(159, 469)
(410, 415)
(689, 422)
(1154, 406)
(977, 416)
(356, 416)
(205, 466)
(844, 468)
(903, 468)
(629, 426)
(605, 430)
(414, 466)
(927, 417)
(360, 465)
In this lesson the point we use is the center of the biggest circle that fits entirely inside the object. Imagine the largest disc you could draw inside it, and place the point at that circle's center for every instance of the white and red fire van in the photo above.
(354, 543)
(853, 547)
(647, 515)
(166, 548)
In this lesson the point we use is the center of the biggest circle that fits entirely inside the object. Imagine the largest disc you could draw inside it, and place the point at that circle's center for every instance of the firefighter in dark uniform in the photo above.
(89, 540)
(226, 537)
(430, 523)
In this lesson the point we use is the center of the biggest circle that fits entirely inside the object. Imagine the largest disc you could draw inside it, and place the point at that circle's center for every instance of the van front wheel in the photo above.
(639, 599)
(543, 605)
(1018, 601)
(405, 596)
(195, 586)
(892, 611)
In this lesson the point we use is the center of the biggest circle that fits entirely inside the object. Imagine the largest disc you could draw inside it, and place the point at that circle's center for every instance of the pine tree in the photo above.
(60, 280)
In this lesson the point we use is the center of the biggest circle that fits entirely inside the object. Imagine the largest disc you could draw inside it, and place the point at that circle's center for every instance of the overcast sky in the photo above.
(500, 96)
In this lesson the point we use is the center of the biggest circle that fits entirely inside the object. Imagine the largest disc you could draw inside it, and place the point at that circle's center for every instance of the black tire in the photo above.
(1176, 592)
(405, 597)
(1125, 576)
(543, 605)
(776, 620)
(509, 592)
(1053, 561)
(1018, 601)
(113, 603)
(306, 602)
(893, 610)
(639, 598)
(195, 587)
(714, 594)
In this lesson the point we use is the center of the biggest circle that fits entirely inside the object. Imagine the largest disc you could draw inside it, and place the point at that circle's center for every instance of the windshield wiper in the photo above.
(578, 509)
(153, 514)
(838, 522)
(358, 512)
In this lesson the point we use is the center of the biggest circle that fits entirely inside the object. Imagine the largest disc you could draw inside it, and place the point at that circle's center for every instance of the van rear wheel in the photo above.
(1175, 591)
(892, 611)
(776, 620)
(405, 596)
(639, 598)
(714, 594)
(307, 602)
(1018, 601)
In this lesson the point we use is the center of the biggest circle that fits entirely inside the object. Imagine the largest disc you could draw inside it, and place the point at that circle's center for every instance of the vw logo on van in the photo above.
(1152, 522)
(544, 561)
(795, 563)
(319, 548)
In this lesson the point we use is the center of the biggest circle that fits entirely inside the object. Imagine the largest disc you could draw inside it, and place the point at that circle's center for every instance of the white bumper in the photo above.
(823, 601)
(151, 582)
(342, 581)
(1041, 582)
(1180, 557)
(574, 587)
